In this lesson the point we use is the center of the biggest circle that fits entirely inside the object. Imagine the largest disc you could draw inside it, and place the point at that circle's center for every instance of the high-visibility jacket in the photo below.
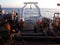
(38, 23)
(8, 27)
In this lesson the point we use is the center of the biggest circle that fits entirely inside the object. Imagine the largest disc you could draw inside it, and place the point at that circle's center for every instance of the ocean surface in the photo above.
(45, 12)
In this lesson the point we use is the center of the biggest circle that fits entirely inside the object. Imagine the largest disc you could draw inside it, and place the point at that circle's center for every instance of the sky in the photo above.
(19, 3)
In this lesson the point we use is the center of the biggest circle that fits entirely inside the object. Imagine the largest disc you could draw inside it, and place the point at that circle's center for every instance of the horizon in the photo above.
(19, 3)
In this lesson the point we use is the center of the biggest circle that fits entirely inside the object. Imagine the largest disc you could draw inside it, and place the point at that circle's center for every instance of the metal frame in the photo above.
(31, 3)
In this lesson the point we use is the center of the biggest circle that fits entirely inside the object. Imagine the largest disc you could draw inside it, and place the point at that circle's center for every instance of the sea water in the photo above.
(45, 12)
